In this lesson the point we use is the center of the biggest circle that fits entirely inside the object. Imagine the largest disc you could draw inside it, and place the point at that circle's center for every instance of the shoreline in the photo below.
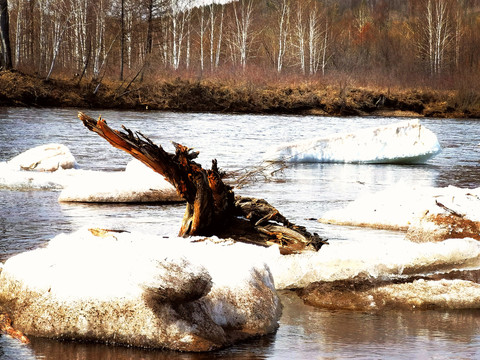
(22, 90)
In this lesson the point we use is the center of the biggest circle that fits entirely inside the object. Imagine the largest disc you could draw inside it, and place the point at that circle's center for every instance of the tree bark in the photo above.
(212, 208)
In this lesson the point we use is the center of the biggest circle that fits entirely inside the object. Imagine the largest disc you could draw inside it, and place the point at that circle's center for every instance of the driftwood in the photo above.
(212, 208)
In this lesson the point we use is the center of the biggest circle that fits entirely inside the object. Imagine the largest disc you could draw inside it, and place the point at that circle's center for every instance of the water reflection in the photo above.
(464, 176)
(309, 333)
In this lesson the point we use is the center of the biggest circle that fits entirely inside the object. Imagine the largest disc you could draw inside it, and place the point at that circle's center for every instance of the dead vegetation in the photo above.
(314, 98)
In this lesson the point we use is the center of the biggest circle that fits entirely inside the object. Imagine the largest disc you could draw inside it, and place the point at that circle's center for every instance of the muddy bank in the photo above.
(17, 89)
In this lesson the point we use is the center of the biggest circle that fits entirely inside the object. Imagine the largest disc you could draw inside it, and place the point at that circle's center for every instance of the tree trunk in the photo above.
(212, 208)
(122, 38)
(5, 36)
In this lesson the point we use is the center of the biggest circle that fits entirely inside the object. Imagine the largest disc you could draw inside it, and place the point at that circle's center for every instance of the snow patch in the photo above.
(406, 142)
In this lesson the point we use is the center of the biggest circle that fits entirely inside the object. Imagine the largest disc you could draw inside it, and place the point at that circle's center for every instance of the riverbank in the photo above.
(17, 89)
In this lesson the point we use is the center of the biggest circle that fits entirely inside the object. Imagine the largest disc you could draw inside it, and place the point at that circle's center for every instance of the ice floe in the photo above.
(137, 183)
(400, 205)
(442, 240)
(403, 142)
(50, 157)
(201, 294)
(372, 259)
(140, 290)
(417, 294)
(53, 167)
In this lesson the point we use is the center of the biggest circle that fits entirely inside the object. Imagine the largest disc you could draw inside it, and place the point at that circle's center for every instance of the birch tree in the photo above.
(436, 35)
(243, 16)
(283, 13)
(318, 39)
(215, 28)
(99, 54)
(122, 38)
(59, 30)
(203, 26)
(300, 33)
(18, 32)
(179, 21)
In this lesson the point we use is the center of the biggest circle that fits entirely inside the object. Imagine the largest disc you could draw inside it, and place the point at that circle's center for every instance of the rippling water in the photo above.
(303, 191)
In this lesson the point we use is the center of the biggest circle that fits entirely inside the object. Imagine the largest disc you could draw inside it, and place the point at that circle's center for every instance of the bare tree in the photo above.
(215, 29)
(149, 40)
(18, 32)
(282, 8)
(122, 37)
(318, 39)
(243, 16)
(59, 31)
(435, 34)
(203, 26)
(300, 33)
(5, 36)
(459, 16)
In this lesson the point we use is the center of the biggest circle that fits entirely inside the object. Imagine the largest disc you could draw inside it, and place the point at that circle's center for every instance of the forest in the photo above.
(392, 45)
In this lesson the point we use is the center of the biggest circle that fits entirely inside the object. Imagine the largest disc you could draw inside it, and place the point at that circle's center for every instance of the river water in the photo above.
(302, 192)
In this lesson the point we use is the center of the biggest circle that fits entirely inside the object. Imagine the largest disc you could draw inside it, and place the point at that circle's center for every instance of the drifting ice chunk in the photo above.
(406, 142)
(138, 290)
(49, 157)
(52, 167)
(137, 183)
(43, 167)
(145, 290)
(418, 294)
(401, 205)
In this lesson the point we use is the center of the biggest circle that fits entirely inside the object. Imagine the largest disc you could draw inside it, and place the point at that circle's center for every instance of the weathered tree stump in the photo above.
(212, 208)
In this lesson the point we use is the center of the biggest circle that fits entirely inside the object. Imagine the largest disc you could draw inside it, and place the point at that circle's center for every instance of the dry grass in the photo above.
(240, 92)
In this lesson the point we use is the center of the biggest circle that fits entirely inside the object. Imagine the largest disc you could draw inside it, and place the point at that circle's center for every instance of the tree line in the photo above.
(388, 39)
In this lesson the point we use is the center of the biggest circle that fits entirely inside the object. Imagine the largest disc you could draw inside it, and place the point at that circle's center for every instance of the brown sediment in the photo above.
(18, 89)
(377, 226)
(401, 293)
(439, 227)
(7, 328)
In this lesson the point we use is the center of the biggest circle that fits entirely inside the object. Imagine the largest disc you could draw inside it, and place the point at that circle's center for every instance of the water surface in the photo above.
(301, 192)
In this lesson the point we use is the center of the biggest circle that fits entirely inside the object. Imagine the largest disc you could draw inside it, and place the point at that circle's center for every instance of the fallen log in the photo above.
(212, 208)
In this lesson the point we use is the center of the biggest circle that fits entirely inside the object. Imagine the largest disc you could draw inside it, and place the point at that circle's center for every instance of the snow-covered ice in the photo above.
(418, 294)
(53, 167)
(187, 294)
(403, 142)
(399, 205)
(43, 167)
(443, 233)
(138, 183)
(140, 290)
(50, 157)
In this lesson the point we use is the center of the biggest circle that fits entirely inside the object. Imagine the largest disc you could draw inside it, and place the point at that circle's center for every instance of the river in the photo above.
(301, 192)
